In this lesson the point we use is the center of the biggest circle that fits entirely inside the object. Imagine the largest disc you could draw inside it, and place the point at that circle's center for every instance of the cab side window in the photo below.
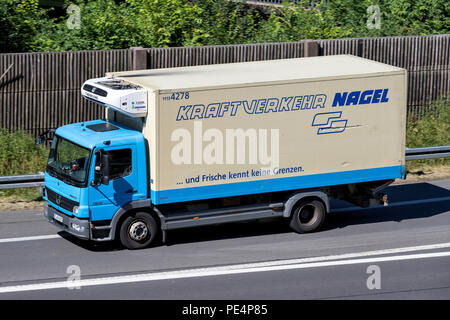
(120, 163)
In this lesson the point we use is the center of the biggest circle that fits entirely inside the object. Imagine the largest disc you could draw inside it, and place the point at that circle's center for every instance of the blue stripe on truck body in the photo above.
(277, 184)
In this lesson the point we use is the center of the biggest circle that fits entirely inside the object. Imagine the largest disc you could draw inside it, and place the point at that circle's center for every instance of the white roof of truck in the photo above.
(257, 72)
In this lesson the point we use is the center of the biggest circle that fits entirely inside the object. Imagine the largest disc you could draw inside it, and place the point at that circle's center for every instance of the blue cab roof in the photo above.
(81, 134)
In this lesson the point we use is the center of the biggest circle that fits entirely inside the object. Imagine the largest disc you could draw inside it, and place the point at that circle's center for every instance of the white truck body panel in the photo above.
(246, 128)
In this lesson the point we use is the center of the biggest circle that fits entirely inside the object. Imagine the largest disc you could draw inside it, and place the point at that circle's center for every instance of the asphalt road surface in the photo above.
(397, 252)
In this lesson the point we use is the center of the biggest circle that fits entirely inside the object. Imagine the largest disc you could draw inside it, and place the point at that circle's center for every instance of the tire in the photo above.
(138, 231)
(307, 216)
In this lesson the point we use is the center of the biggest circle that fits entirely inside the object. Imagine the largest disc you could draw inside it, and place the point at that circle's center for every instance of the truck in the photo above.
(204, 145)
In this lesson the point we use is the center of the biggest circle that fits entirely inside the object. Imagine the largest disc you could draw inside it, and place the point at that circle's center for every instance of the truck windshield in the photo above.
(68, 161)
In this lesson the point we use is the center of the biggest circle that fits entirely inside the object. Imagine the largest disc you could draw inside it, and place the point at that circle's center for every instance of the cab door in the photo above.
(105, 200)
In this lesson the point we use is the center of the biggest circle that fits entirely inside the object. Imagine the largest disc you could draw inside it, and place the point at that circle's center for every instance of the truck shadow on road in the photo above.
(409, 202)
(403, 208)
(390, 214)
(91, 245)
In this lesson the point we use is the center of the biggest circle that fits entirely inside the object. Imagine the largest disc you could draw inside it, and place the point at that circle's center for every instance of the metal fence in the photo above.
(427, 59)
(42, 90)
(192, 56)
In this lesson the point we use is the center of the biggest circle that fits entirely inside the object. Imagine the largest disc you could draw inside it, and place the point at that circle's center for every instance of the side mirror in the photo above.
(104, 168)
(46, 136)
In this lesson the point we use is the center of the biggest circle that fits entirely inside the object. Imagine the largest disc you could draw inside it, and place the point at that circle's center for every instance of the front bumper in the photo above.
(66, 223)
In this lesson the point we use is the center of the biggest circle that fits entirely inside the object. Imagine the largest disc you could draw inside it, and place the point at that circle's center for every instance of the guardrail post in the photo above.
(360, 48)
(139, 56)
(311, 48)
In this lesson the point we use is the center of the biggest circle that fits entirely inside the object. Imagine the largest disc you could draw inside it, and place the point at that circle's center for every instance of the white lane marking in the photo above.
(393, 204)
(44, 237)
(210, 271)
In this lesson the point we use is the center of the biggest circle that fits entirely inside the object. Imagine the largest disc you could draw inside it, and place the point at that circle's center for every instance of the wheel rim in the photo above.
(307, 215)
(138, 231)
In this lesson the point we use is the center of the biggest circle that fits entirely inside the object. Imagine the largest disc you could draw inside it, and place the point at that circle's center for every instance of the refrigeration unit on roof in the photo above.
(116, 94)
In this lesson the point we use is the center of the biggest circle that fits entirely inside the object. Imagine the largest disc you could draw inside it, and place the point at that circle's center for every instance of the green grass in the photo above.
(431, 130)
(20, 155)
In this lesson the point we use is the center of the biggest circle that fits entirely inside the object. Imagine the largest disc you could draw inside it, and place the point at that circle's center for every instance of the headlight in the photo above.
(77, 227)
(75, 209)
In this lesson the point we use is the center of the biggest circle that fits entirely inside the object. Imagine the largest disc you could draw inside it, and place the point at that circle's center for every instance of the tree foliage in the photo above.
(108, 24)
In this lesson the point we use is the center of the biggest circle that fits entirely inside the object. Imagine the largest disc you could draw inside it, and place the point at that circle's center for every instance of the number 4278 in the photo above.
(179, 95)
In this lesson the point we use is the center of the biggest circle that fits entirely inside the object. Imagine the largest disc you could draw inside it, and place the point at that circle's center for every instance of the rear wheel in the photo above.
(307, 216)
(138, 231)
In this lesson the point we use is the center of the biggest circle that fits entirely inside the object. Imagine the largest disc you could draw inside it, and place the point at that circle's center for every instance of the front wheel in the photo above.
(307, 216)
(138, 231)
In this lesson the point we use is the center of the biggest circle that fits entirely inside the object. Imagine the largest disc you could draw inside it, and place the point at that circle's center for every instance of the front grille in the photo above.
(64, 202)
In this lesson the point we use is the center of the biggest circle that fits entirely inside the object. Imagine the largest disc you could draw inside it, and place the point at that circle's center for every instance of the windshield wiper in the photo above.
(68, 181)
(61, 176)
(52, 172)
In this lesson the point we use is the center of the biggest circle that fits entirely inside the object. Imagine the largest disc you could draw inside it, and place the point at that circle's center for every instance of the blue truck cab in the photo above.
(77, 200)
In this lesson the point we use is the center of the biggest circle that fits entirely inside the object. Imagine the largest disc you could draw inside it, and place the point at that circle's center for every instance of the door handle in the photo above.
(131, 191)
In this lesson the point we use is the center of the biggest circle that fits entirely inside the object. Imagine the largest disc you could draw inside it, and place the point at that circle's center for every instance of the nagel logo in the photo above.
(329, 122)
(360, 97)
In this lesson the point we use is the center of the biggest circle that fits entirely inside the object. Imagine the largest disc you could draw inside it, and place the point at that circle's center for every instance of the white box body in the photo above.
(271, 126)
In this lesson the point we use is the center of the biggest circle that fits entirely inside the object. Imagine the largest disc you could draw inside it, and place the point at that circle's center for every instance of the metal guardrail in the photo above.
(22, 181)
(427, 152)
(37, 179)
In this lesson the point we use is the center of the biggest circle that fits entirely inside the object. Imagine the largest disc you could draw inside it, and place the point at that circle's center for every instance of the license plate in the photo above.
(57, 217)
